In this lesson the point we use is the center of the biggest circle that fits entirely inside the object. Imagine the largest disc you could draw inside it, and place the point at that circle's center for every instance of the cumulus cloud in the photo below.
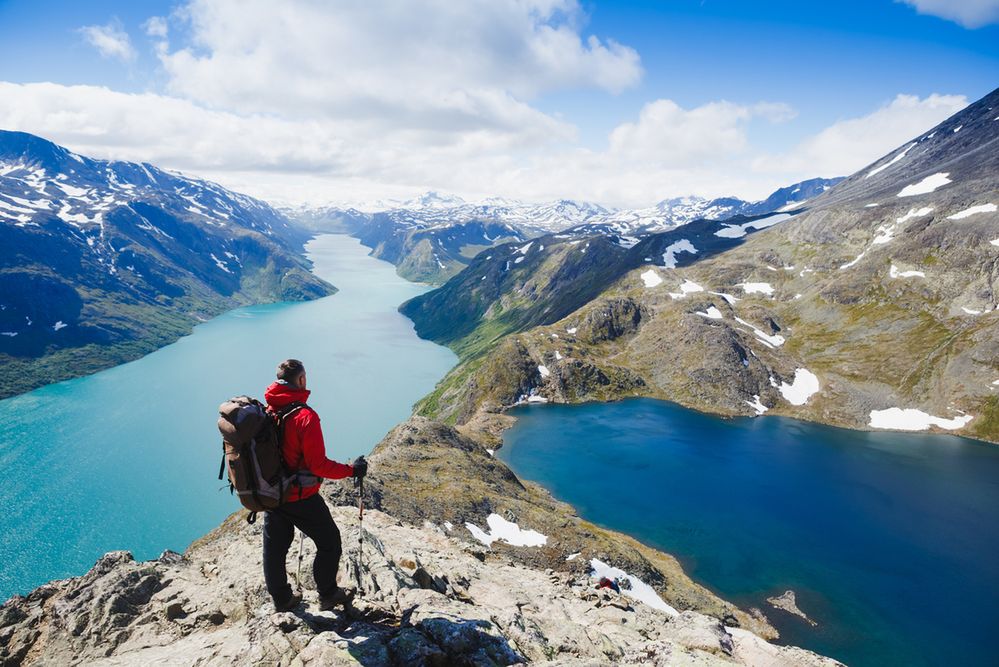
(969, 13)
(156, 27)
(668, 135)
(110, 40)
(434, 66)
(847, 145)
(311, 101)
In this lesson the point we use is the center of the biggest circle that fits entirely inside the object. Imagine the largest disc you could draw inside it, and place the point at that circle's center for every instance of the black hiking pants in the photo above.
(312, 517)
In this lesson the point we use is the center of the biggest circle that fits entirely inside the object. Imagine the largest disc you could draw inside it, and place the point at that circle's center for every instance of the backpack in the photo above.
(252, 440)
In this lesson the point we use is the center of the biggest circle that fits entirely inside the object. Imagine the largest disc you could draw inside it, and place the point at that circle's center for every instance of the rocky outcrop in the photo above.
(429, 598)
(787, 601)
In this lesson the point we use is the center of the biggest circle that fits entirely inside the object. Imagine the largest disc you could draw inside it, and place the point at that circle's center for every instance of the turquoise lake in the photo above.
(128, 458)
(891, 541)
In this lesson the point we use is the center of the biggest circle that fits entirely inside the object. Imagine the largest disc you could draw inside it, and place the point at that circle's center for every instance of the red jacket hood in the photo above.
(280, 394)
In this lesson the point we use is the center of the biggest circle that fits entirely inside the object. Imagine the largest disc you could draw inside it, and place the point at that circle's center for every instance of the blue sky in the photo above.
(619, 102)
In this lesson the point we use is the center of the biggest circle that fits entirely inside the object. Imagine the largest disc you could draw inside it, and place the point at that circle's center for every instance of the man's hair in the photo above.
(289, 370)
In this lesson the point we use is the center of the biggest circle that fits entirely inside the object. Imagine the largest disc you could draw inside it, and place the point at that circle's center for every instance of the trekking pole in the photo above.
(360, 531)
(298, 575)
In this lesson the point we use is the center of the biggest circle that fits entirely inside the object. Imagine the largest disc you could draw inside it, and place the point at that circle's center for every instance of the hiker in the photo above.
(304, 450)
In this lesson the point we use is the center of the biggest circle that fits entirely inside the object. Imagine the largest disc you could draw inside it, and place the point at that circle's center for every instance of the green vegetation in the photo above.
(986, 426)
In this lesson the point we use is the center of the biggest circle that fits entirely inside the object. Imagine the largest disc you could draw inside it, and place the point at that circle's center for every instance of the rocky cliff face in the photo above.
(433, 593)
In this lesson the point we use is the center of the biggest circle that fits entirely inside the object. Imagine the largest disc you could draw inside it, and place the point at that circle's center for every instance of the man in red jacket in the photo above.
(304, 451)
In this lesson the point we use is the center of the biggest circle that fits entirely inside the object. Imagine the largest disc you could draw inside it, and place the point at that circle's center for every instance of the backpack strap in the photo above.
(282, 416)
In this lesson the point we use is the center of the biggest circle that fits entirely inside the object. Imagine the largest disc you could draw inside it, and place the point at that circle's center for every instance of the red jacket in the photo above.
(303, 446)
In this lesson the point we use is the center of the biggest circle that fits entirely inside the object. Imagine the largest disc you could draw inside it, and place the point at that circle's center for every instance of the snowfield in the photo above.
(506, 531)
(650, 278)
(974, 210)
(910, 419)
(639, 590)
(683, 245)
(798, 392)
(925, 186)
(756, 288)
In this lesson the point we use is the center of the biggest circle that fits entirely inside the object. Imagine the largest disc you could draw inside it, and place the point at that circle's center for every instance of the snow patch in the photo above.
(798, 392)
(651, 278)
(669, 256)
(878, 170)
(756, 288)
(854, 261)
(974, 210)
(534, 398)
(757, 405)
(639, 590)
(219, 263)
(571, 331)
(925, 186)
(910, 419)
(885, 233)
(728, 297)
(544, 371)
(506, 531)
(895, 273)
(738, 231)
(712, 313)
(775, 340)
(574, 556)
(59, 325)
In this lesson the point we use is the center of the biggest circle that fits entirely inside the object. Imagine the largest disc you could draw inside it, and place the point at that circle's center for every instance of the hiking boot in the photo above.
(293, 601)
(338, 598)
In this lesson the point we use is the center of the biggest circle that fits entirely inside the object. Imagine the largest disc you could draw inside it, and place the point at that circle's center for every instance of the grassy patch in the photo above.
(986, 426)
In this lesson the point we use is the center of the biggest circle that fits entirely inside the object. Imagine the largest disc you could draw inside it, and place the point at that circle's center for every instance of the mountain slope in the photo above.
(106, 261)
(873, 308)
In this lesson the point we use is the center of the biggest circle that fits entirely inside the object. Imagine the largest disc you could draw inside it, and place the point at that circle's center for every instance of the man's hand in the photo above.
(360, 467)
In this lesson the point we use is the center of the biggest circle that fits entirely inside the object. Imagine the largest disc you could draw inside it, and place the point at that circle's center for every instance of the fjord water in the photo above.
(891, 541)
(129, 458)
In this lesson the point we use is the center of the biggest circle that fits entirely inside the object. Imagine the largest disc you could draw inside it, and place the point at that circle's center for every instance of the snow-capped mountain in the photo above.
(433, 210)
(122, 257)
(629, 225)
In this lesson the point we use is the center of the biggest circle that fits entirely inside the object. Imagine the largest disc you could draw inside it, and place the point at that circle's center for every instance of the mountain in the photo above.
(105, 261)
(432, 237)
(873, 306)
(627, 226)
(438, 588)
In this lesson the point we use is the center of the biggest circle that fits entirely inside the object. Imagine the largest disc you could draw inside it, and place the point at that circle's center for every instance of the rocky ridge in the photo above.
(432, 594)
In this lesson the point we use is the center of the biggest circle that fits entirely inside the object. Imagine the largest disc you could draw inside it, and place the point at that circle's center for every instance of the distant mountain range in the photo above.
(871, 305)
(105, 261)
(434, 236)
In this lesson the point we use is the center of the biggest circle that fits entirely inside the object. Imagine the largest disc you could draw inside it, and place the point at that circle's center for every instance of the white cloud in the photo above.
(435, 66)
(969, 13)
(110, 40)
(847, 145)
(156, 27)
(312, 101)
(668, 135)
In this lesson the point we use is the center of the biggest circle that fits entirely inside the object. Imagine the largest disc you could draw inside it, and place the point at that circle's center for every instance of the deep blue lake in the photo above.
(891, 541)
(128, 458)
